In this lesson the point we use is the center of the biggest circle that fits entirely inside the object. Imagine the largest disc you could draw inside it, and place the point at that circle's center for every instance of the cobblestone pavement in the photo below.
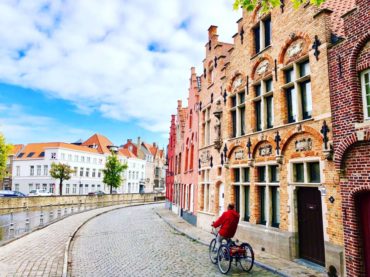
(41, 253)
(136, 242)
(283, 266)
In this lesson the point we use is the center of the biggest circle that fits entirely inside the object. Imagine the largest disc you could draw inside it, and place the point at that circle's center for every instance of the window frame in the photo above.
(261, 98)
(239, 127)
(295, 85)
(363, 93)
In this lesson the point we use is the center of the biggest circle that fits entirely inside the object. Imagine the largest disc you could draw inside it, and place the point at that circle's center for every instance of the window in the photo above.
(365, 87)
(268, 178)
(238, 114)
(74, 190)
(275, 198)
(76, 158)
(30, 187)
(86, 189)
(206, 126)
(53, 156)
(51, 188)
(94, 161)
(99, 173)
(81, 172)
(241, 187)
(190, 119)
(262, 196)
(129, 174)
(67, 188)
(246, 203)
(32, 170)
(264, 105)
(46, 170)
(205, 188)
(70, 157)
(18, 171)
(62, 156)
(262, 34)
(38, 170)
(298, 92)
(306, 172)
(45, 187)
(82, 159)
(16, 187)
(75, 171)
(37, 186)
(88, 159)
(93, 172)
(87, 172)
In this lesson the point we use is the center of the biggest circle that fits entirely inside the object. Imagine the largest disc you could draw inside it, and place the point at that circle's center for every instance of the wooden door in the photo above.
(364, 216)
(310, 226)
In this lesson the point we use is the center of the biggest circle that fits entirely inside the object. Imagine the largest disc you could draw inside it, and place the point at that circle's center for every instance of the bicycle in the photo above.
(212, 246)
(231, 251)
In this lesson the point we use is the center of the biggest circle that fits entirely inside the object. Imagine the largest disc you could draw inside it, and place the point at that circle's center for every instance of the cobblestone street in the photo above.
(136, 242)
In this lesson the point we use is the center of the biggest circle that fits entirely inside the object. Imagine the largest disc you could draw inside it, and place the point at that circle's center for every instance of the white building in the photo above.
(134, 176)
(32, 165)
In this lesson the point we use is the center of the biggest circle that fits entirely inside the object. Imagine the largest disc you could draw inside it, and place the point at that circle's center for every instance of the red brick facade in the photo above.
(351, 131)
(171, 161)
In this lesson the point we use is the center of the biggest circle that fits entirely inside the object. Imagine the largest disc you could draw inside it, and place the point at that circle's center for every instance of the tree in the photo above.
(5, 150)
(61, 172)
(113, 172)
(266, 5)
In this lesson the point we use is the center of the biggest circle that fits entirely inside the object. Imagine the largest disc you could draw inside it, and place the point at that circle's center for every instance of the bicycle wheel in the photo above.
(223, 259)
(213, 251)
(247, 261)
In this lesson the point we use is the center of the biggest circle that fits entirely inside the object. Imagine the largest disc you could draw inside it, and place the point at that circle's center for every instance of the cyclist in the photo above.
(229, 223)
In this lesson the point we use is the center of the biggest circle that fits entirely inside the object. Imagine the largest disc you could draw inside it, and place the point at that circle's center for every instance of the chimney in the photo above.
(138, 142)
(154, 144)
(129, 140)
(179, 103)
(212, 31)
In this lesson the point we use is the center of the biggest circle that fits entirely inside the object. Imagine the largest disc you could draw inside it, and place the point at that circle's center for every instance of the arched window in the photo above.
(191, 119)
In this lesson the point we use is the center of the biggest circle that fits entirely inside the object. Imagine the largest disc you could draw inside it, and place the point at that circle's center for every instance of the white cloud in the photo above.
(20, 127)
(95, 53)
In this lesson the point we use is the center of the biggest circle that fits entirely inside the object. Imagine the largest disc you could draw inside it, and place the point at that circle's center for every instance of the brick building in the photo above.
(179, 157)
(265, 142)
(185, 195)
(171, 155)
(349, 61)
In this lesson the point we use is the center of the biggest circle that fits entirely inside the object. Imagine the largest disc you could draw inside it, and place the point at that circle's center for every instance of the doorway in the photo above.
(221, 197)
(364, 217)
(310, 225)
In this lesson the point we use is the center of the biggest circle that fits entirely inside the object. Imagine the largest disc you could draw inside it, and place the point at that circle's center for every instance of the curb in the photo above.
(72, 236)
(262, 265)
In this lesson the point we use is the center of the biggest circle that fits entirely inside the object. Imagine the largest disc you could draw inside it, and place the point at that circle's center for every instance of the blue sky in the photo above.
(73, 68)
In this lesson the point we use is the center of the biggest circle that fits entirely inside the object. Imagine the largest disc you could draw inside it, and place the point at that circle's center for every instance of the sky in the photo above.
(69, 69)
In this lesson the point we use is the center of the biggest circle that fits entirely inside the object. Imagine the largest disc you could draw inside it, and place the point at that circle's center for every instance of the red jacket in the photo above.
(229, 223)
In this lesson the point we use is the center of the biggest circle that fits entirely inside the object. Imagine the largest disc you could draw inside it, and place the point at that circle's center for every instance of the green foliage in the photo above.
(61, 172)
(267, 5)
(113, 172)
(5, 150)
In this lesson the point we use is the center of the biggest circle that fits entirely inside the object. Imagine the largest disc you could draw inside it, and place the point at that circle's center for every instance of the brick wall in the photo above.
(351, 133)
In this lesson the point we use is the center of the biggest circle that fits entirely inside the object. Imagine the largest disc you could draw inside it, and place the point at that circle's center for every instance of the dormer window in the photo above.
(262, 34)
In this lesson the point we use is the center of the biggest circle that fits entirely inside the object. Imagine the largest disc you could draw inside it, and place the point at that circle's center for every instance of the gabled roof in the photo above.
(16, 148)
(127, 153)
(100, 142)
(37, 150)
(151, 148)
(339, 8)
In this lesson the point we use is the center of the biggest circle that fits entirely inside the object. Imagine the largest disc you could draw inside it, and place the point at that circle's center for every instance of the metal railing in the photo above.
(15, 222)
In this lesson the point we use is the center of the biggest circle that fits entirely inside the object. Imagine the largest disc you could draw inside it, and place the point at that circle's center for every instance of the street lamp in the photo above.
(113, 149)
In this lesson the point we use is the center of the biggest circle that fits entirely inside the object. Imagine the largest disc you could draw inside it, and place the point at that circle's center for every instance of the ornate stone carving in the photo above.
(303, 144)
(295, 49)
(205, 157)
(218, 114)
(265, 150)
(239, 155)
(262, 67)
(237, 82)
